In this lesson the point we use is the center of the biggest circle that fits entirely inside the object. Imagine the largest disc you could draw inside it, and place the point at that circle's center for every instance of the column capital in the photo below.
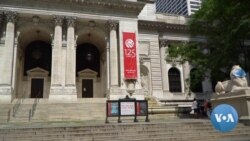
(111, 25)
(58, 20)
(70, 21)
(1, 18)
(163, 42)
(11, 16)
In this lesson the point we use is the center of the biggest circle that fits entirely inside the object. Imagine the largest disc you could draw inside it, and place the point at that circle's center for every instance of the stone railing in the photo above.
(33, 108)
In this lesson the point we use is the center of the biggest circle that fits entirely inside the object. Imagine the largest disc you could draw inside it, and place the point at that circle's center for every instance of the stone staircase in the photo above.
(5, 112)
(170, 108)
(168, 130)
(82, 109)
(45, 110)
(83, 120)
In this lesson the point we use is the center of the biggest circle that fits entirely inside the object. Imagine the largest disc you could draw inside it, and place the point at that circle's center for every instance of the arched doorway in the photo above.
(37, 67)
(88, 69)
(33, 64)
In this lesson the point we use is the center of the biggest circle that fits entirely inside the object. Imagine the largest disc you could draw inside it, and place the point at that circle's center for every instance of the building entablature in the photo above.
(42, 24)
(161, 26)
(103, 7)
(164, 40)
(147, 1)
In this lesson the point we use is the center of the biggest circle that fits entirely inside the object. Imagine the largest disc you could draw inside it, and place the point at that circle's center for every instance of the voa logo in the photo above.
(224, 118)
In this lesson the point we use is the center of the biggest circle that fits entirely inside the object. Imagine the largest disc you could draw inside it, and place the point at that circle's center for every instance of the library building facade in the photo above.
(64, 50)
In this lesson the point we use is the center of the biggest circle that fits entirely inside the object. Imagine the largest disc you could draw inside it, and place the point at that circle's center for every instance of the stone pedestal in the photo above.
(5, 94)
(62, 94)
(240, 100)
(7, 59)
(117, 93)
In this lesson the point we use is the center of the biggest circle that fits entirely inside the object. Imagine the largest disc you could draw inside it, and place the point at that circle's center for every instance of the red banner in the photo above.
(129, 52)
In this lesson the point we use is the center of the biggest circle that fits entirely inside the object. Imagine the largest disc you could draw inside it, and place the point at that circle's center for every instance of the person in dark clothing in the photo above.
(208, 107)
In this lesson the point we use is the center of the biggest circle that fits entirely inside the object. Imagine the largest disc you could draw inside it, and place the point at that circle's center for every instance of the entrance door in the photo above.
(36, 88)
(87, 88)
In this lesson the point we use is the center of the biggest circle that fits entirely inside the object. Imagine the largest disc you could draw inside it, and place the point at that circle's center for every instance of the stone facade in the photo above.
(78, 32)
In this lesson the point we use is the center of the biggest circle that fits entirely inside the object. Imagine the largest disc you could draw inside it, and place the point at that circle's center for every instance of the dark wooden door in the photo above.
(87, 88)
(36, 88)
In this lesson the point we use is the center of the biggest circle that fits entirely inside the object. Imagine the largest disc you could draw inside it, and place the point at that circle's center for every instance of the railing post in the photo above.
(29, 115)
(9, 112)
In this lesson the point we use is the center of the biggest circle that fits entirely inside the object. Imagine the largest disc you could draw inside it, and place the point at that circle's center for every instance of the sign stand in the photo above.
(126, 107)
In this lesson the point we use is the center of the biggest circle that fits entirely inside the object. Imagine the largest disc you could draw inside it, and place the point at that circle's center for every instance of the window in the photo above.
(195, 81)
(174, 80)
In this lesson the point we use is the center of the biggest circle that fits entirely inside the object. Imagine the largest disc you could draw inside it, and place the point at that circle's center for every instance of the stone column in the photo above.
(70, 89)
(112, 26)
(186, 75)
(56, 84)
(1, 19)
(14, 73)
(71, 53)
(6, 65)
(164, 72)
(207, 87)
(108, 66)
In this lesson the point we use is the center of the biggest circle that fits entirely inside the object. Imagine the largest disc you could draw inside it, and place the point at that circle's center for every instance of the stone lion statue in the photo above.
(237, 81)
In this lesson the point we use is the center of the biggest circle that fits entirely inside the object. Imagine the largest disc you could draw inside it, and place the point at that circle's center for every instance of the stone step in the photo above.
(187, 129)
(82, 108)
(129, 136)
(117, 133)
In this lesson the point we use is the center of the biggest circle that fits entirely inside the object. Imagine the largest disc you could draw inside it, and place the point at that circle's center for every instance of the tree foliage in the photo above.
(226, 26)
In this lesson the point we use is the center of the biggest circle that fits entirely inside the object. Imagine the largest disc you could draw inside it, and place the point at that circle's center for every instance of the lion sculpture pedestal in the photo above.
(234, 92)
(240, 100)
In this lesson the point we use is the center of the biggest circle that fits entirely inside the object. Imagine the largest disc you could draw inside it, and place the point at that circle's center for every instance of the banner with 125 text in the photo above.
(129, 51)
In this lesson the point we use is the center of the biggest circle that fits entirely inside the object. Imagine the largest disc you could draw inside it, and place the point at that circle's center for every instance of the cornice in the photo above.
(147, 1)
(114, 7)
(161, 26)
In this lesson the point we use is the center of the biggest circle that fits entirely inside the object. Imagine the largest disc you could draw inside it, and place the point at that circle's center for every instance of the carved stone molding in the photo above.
(161, 26)
(70, 21)
(144, 58)
(10, 16)
(163, 43)
(58, 20)
(111, 25)
(36, 19)
(1, 17)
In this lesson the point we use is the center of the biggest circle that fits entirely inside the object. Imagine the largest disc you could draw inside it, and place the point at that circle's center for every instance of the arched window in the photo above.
(195, 81)
(38, 54)
(87, 56)
(174, 80)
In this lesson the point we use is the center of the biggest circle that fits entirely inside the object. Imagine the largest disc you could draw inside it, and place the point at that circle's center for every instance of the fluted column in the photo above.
(56, 53)
(186, 73)
(108, 65)
(7, 56)
(71, 53)
(112, 26)
(163, 47)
